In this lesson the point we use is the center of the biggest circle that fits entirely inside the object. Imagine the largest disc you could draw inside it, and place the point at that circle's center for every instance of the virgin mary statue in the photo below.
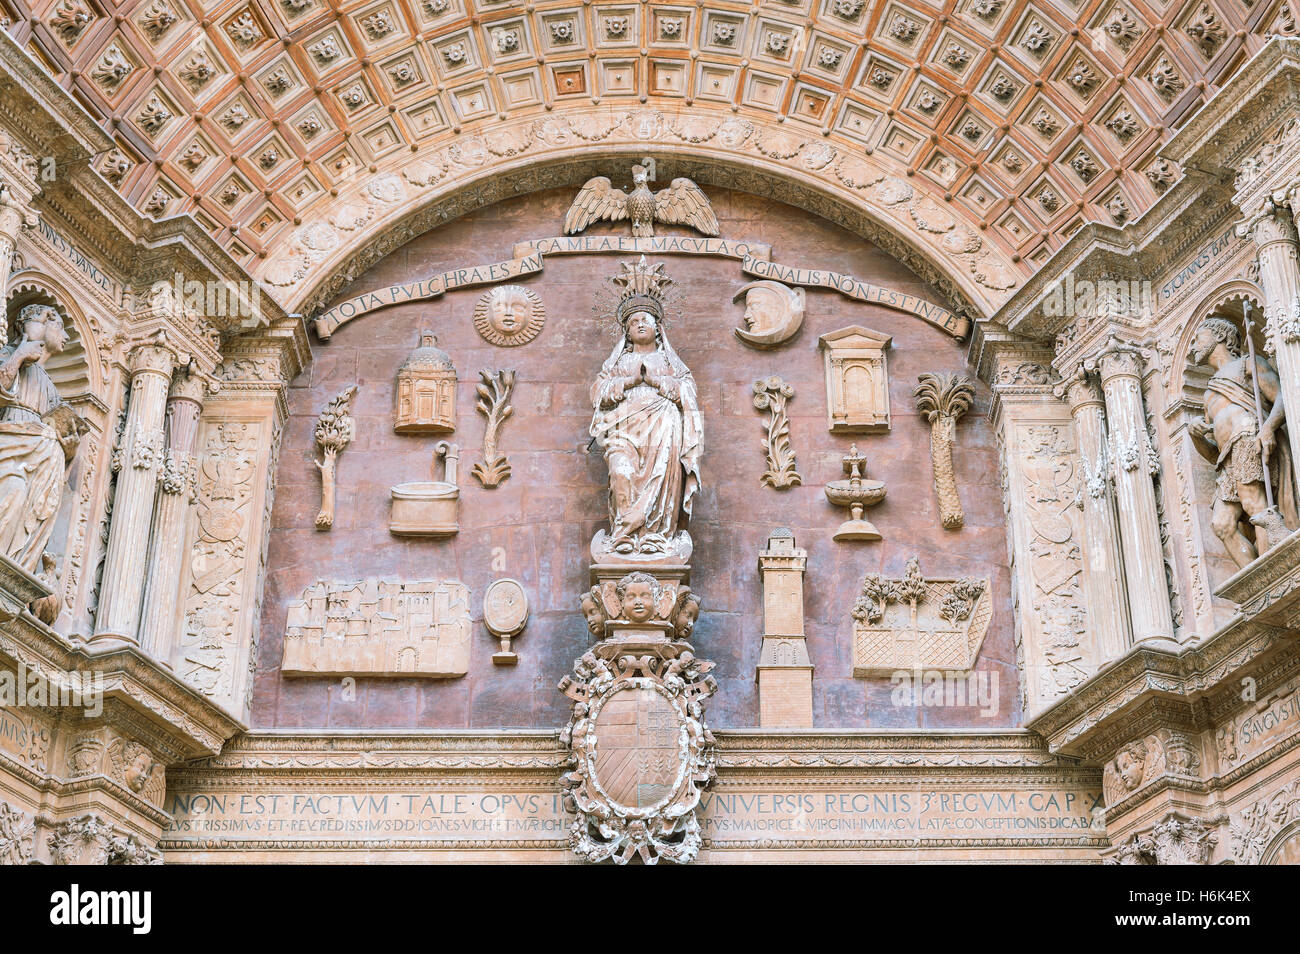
(647, 421)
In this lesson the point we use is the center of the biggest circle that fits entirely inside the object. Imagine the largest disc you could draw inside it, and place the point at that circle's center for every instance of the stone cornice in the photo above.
(1217, 136)
(762, 750)
(1183, 681)
(144, 699)
(1140, 250)
(70, 132)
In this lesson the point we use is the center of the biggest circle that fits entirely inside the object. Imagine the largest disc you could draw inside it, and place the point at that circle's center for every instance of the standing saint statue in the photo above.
(39, 434)
(647, 420)
(1240, 445)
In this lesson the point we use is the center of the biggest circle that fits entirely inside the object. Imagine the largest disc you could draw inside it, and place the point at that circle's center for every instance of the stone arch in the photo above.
(74, 373)
(942, 241)
(1284, 849)
(1226, 299)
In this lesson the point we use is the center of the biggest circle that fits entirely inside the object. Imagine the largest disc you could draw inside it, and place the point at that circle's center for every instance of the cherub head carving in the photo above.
(685, 613)
(593, 608)
(639, 594)
(1130, 763)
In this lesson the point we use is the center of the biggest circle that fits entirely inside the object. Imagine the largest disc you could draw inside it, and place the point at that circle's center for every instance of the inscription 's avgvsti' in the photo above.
(379, 628)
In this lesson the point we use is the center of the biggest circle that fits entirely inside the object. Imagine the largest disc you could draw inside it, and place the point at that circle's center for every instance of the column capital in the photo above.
(1273, 221)
(1118, 358)
(1080, 389)
(188, 386)
(153, 355)
(15, 214)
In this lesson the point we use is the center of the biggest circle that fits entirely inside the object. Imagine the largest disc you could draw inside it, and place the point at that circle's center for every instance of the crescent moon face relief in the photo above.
(773, 314)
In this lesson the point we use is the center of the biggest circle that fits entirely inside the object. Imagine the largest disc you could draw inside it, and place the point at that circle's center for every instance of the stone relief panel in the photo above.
(1142, 761)
(220, 590)
(1042, 482)
(916, 623)
(535, 526)
(379, 628)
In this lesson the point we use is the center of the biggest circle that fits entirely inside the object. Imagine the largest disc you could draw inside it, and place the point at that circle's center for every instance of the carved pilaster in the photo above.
(1040, 482)
(1103, 565)
(1274, 232)
(14, 216)
(176, 480)
(1132, 468)
(138, 461)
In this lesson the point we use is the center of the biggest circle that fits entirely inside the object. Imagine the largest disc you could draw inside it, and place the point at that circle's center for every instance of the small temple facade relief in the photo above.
(378, 627)
(912, 622)
(426, 390)
(857, 380)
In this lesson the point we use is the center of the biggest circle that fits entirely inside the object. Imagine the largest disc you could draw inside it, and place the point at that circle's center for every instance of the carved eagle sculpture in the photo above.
(682, 203)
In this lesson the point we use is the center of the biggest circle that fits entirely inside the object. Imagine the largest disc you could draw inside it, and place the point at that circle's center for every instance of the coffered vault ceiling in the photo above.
(972, 137)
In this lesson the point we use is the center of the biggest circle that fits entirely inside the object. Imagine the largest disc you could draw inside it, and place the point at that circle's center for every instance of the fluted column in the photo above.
(138, 460)
(1274, 232)
(14, 214)
(1103, 564)
(176, 482)
(1133, 464)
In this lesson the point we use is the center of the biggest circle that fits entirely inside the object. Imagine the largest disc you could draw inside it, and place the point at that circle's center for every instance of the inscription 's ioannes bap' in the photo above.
(734, 816)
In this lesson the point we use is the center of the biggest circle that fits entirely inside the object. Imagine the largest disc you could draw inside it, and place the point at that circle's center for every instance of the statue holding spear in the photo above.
(1255, 499)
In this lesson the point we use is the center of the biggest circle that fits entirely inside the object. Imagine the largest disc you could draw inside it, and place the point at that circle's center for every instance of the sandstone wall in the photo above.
(543, 517)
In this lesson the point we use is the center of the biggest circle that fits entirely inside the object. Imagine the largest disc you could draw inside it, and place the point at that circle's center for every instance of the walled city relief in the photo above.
(379, 627)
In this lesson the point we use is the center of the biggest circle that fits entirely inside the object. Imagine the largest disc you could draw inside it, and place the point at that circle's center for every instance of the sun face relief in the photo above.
(509, 315)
